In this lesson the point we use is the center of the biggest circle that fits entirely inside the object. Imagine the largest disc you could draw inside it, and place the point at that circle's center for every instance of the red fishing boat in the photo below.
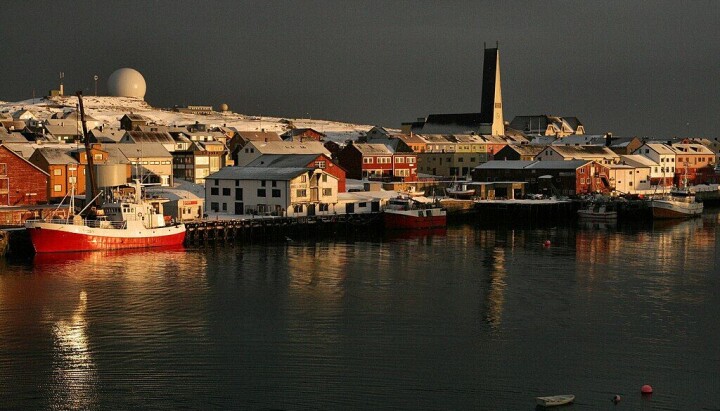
(129, 222)
(404, 212)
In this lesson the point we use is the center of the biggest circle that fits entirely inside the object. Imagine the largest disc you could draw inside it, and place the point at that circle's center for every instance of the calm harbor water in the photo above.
(476, 317)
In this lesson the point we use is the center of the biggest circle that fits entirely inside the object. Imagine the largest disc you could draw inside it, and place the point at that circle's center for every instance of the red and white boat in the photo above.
(680, 203)
(403, 212)
(128, 222)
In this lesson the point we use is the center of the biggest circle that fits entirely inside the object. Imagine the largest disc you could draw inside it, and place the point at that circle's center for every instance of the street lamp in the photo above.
(95, 77)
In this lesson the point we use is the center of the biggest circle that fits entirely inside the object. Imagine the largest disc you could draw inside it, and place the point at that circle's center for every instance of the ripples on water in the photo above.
(471, 318)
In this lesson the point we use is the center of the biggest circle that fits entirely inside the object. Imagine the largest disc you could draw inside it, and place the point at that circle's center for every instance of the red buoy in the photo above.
(646, 389)
(547, 243)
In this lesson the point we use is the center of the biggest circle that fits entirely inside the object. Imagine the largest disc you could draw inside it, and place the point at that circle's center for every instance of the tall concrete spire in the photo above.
(491, 105)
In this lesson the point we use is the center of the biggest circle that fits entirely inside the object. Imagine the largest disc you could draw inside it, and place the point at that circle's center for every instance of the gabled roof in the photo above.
(298, 131)
(11, 137)
(283, 160)
(288, 147)
(150, 137)
(659, 148)
(131, 150)
(505, 165)
(107, 134)
(636, 160)
(692, 148)
(63, 130)
(258, 173)
(136, 117)
(15, 153)
(584, 151)
(559, 164)
(57, 155)
(526, 149)
(368, 149)
(259, 136)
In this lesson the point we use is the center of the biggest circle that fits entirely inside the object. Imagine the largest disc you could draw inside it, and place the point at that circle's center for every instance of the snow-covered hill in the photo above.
(109, 110)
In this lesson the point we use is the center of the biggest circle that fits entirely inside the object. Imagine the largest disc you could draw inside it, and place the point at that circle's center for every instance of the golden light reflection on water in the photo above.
(74, 372)
(497, 287)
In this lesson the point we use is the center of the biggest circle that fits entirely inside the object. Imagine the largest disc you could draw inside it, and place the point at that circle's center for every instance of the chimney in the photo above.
(608, 139)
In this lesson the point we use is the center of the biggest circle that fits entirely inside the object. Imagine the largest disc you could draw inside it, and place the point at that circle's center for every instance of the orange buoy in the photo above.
(646, 389)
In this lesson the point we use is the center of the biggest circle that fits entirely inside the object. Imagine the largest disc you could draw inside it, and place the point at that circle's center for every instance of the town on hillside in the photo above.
(199, 161)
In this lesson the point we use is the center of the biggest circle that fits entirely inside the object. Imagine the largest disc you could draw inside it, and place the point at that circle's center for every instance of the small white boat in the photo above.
(554, 400)
(460, 190)
(598, 212)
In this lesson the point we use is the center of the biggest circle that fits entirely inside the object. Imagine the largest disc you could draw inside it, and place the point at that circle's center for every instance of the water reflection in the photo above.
(495, 297)
(74, 371)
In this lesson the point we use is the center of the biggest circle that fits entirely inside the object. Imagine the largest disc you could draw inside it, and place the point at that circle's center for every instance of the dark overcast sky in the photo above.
(645, 68)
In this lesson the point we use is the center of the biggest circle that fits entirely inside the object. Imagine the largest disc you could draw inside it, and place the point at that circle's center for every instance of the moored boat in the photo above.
(460, 190)
(554, 400)
(672, 206)
(598, 212)
(404, 212)
(129, 222)
(679, 203)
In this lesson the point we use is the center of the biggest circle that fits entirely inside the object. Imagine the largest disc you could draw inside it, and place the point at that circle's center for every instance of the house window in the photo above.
(399, 159)
(57, 172)
(320, 164)
(261, 192)
(324, 207)
(226, 191)
(301, 193)
(215, 207)
(303, 178)
(362, 205)
(239, 194)
(327, 192)
(324, 178)
(97, 156)
(411, 160)
(216, 181)
(367, 160)
(214, 191)
(224, 207)
(57, 188)
(237, 183)
(274, 183)
(262, 183)
(276, 193)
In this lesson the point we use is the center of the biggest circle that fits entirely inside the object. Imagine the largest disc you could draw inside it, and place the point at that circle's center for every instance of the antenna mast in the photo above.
(88, 151)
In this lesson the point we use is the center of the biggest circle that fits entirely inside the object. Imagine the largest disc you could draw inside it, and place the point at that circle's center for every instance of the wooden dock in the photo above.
(268, 228)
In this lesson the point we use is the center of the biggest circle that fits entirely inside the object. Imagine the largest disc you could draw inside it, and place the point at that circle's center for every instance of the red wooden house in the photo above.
(378, 162)
(21, 182)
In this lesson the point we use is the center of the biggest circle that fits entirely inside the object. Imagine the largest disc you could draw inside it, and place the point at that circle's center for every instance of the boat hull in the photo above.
(555, 400)
(600, 216)
(666, 209)
(414, 219)
(55, 238)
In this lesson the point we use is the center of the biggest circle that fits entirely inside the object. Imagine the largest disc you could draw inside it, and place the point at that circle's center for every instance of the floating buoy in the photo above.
(547, 243)
(646, 389)
(616, 399)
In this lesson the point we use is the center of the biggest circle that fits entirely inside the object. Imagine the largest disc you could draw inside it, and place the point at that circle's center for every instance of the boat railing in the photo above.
(85, 222)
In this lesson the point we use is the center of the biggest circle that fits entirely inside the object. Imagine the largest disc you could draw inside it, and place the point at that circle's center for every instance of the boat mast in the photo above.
(88, 151)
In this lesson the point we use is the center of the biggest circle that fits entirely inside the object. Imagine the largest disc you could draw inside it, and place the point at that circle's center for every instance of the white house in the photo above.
(664, 157)
(254, 149)
(282, 191)
(642, 166)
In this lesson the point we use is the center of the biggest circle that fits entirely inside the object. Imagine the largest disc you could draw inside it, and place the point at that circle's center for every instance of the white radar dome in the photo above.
(126, 82)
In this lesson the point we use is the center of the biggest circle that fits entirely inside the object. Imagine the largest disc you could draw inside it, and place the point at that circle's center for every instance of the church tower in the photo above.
(491, 105)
